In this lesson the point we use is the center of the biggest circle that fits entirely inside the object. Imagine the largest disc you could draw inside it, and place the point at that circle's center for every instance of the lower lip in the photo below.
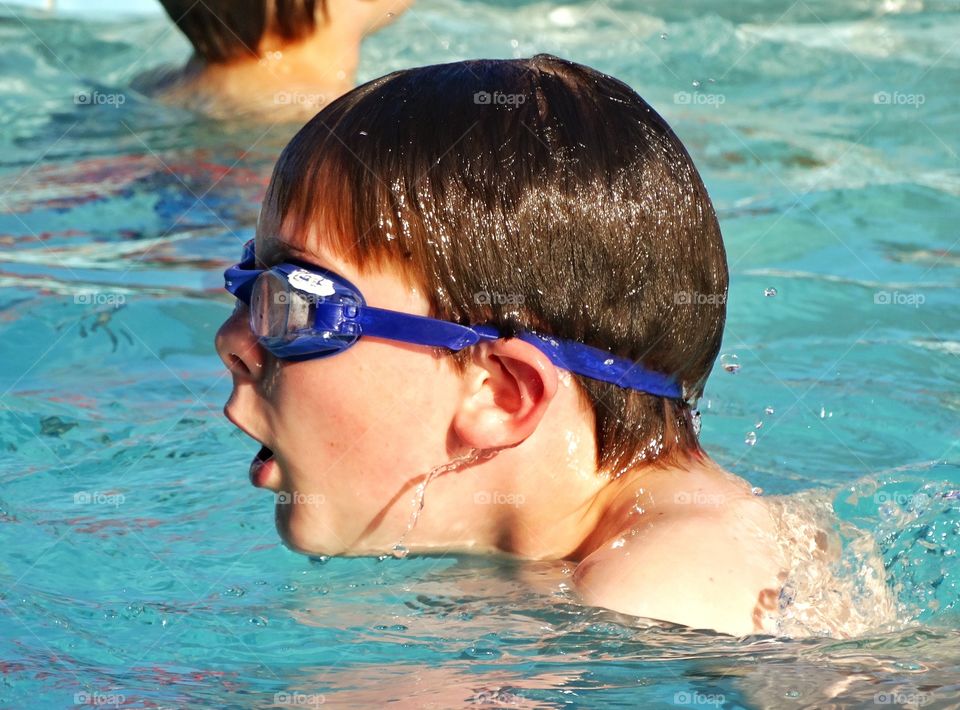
(260, 471)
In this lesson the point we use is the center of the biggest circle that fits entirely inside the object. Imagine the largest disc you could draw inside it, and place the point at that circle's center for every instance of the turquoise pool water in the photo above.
(139, 568)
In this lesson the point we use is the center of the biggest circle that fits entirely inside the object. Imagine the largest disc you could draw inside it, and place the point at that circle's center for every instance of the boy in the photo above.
(500, 267)
(282, 59)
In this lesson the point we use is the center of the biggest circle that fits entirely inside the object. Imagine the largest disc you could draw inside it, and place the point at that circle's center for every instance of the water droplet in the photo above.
(750, 439)
(259, 621)
(770, 292)
(758, 425)
(320, 559)
(697, 422)
(363, 133)
(619, 542)
(768, 410)
(730, 363)
(399, 551)
(663, 35)
(696, 84)
(514, 43)
(608, 361)
(757, 491)
(480, 653)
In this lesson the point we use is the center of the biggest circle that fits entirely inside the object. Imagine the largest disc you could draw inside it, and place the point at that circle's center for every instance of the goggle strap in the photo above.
(418, 330)
(601, 365)
(576, 357)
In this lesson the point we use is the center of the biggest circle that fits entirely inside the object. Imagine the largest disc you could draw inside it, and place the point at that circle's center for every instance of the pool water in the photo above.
(138, 567)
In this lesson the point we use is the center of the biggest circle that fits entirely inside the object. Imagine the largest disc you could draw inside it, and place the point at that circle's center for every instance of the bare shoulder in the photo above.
(714, 567)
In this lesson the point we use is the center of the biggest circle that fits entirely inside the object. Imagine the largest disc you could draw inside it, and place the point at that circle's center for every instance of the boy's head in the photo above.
(532, 194)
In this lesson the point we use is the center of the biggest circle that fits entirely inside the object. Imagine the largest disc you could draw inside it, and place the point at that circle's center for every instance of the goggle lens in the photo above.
(276, 310)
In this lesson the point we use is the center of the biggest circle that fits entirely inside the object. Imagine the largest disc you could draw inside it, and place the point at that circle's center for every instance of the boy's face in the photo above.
(348, 432)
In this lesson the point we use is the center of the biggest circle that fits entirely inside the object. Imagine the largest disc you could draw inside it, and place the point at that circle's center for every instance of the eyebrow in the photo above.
(279, 251)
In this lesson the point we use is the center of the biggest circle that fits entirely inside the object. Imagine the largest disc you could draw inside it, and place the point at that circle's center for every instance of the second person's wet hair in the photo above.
(225, 30)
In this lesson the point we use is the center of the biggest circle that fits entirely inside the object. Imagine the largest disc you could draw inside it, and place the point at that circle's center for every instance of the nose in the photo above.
(238, 347)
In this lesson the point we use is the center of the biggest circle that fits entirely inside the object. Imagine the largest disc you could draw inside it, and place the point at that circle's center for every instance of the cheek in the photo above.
(319, 405)
(355, 430)
(376, 406)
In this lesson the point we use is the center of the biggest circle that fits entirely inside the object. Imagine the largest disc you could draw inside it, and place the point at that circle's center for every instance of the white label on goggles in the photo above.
(311, 283)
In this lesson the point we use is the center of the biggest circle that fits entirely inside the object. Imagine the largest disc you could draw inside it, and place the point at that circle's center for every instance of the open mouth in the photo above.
(261, 467)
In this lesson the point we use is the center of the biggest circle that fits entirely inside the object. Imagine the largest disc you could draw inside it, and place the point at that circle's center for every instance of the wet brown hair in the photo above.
(530, 194)
(224, 30)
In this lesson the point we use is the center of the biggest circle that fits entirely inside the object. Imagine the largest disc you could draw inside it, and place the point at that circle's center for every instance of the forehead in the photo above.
(273, 249)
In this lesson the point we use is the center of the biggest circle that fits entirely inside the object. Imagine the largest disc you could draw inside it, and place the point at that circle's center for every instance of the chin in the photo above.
(297, 534)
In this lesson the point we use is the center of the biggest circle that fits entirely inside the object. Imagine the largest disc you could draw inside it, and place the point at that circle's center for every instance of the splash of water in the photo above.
(399, 551)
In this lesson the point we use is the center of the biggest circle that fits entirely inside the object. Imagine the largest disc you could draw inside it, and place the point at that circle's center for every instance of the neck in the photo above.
(557, 507)
(587, 508)
(287, 78)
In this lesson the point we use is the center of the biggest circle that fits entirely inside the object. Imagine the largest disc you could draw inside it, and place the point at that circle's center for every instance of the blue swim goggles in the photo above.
(299, 311)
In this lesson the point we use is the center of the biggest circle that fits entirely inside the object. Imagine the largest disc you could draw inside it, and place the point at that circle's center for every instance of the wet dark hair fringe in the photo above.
(225, 30)
(529, 194)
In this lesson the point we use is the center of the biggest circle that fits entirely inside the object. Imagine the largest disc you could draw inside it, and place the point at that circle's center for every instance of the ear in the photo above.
(508, 388)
